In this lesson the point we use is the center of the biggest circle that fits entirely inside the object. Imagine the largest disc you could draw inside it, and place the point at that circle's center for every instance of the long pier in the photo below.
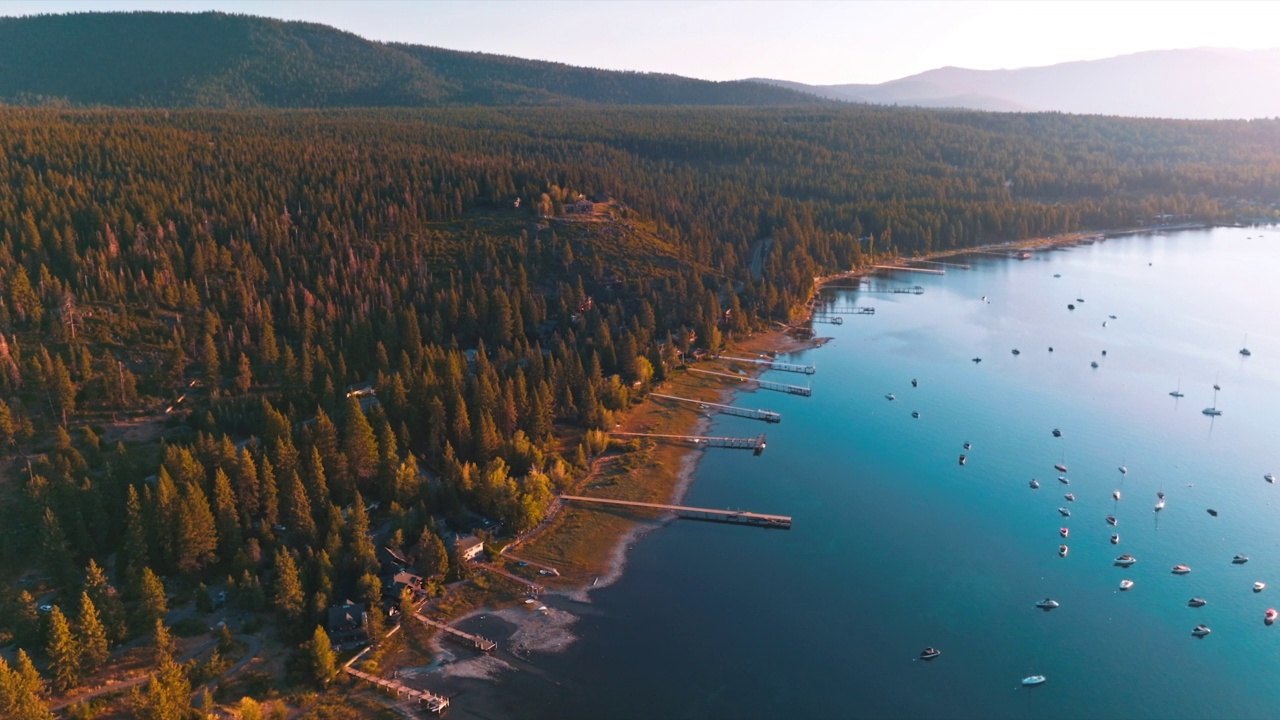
(829, 319)
(960, 266)
(435, 703)
(764, 384)
(765, 415)
(908, 268)
(774, 364)
(736, 517)
(755, 444)
(860, 310)
(895, 289)
(479, 643)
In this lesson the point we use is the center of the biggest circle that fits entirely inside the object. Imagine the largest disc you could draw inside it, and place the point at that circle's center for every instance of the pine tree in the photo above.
(106, 601)
(168, 694)
(268, 494)
(359, 444)
(433, 558)
(94, 646)
(324, 661)
(152, 605)
(226, 518)
(63, 652)
(8, 430)
(133, 555)
(363, 556)
(245, 484)
(287, 593)
(297, 509)
(21, 689)
(210, 365)
(197, 538)
(244, 376)
(62, 390)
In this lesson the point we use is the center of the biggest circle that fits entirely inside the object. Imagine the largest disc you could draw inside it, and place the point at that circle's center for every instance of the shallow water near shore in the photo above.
(896, 546)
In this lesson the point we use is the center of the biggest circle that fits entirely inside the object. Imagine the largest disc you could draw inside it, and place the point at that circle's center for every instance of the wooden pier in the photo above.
(531, 587)
(435, 703)
(862, 310)
(774, 364)
(755, 444)
(829, 319)
(475, 641)
(895, 289)
(765, 415)
(764, 384)
(736, 517)
(908, 268)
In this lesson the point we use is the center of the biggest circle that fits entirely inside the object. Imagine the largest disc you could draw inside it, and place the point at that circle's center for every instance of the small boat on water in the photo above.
(1064, 512)
(1093, 364)
(914, 383)
(1113, 317)
(1126, 560)
(1071, 497)
(1160, 494)
(1159, 505)
(962, 459)
(1057, 432)
(977, 360)
(1269, 478)
(1070, 306)
(1269, 616)
(1064, 480)
(1181, 569)
(1047, 604)
(1060, 467)
(1064, 532)
(1126, 584)
(1239, 559)
(1062, 551)
(1213, 411)
(1111, 520)
(1259, 586)
(1115, 494)
(1016, 351)
(1035, 484)
(930, 653)
(889, 396)
(1115, 538)
(1033, 680)
(1201, 630)
(1212, 512)
(1123, 470)
(1197, 602)
(915, 414)
(967, 446)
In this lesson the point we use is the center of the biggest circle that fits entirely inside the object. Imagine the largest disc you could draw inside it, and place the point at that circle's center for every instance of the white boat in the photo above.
(1126, 584)
(916, 415)
(1201, 630)
(968, 446)
(1126, 560)
(1033, 680)
(1062, 550)
(1124, 470)
(1115, 539)
(1159, 505)
(1239, 559)
(1060, 467)
(1064, 532)
(1177, 393)
(1244, 350)
(1211, 411)
(1064, 512)
(1111, 520)
(1035, 484)
(1259, 586)
(1269, 478)
(930, 653)
(1181, 569)
(1071, 497)
(889, 396)
(1115, 494)
(1196, 602)
(1047, 604)
(1064, 480)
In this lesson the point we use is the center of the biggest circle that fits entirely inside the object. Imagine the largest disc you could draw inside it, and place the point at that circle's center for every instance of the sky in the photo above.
(806, 41)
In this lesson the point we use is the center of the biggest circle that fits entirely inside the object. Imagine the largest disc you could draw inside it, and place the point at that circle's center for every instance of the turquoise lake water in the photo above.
(895, 546)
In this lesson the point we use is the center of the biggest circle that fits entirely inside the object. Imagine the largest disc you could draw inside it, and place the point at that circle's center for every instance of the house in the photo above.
(581, 206)
(469, 548)
(347, 625)
(401, 580)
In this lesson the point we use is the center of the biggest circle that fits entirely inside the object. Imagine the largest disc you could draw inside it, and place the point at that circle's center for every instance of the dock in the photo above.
(908, 268)
(895, 289)
(475, 641)
(959, 266)
(765, 415)
(861, 310)
(829, 319)
(530, 586)
(433, 702)
(774, 364)
(755, 444)
(764, 384)
(736, 517)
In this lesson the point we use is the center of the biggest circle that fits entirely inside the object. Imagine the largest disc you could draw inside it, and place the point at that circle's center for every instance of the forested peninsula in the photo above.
(243, 353)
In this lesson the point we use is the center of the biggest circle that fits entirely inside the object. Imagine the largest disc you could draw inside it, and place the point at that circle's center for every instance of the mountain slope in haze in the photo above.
(1201, 83)
(146, 59)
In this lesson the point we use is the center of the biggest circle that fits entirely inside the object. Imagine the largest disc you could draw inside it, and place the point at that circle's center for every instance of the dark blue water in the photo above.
(895, 546)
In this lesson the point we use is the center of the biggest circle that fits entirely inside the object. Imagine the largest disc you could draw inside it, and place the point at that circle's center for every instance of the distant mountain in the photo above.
(146, 59)
(1199, 83)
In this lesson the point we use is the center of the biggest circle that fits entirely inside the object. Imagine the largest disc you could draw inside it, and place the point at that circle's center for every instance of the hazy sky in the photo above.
(814, 42)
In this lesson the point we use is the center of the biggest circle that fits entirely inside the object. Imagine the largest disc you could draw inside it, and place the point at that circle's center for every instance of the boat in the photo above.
(1064, 512)
(1062, 551)
(1115, 494)
(915, 414)
(1057, 432)
(1111, 520)
(967, 446)
(977, 360)
(1201, 630)
(1197, 602)
(1126, 584)
(962, 458)
(1047, 604)
(1071, 497)
(1123, 470)
(1064, 532)
(1269, 616)
(914, 383)
(1115, 538)
(1070, 306)
(1269, 478)
(1211, 411)
(1093, 364)
(1060, 467)
(1016, 351)
(1113, 317)
(1159, 505)
(1244, 350)
(1177, 393)
(1035, 484)
(1104, 323)
(1064, 480)
(1033, 680)
(1181, 569)
(930, 653)
(1079, 300)
(1057, 275)
(1239, 559)
(1126, 560)
(1160, 494)
(1259, 586)
(889, 396)
(1024, 255)
(1213, 512)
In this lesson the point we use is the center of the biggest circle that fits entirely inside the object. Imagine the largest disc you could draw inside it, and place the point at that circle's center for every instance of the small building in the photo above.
(347, 625)
(469, 547)
(399, 581)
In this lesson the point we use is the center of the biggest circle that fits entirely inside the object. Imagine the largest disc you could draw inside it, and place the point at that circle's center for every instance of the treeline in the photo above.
(324, 311)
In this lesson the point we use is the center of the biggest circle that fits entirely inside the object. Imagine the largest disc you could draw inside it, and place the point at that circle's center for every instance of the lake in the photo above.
(896, 546)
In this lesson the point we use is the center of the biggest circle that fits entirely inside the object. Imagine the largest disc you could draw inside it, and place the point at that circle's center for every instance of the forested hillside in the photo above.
(229, 283)
(215, 60)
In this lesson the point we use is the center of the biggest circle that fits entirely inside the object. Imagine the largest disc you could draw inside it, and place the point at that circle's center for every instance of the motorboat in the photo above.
(1057, 432)
(930, 653)
(915, 414)
(1269, 616)
(1126, 584)
(1197, 602)
(1115, 494)
(1126, 560)
(914, 383)
(968, 446)
(1159, 505)
(1070, 306)
(1093, 364)
(1201, 630)
(1033, 680)
(962, 459)
(1071, 497)
(1269, 478)
(1104, 323)
(1047, 604)
(1239, 559)
(1177, 394)
(1079, 300)
(1259, 586)
(1113, 317)
(1181, 569)
(1111, 520)
(1064, 532)
(1160, 494)
(1213, 411)
(1060, 467)
(1212, 512)
(1064, 512)
(1016, 351)
(977, 360)
(1115, 538)
(889, 396)
(1123, 470)
(1064, 480)
(1062, 551)
(1035, 484)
